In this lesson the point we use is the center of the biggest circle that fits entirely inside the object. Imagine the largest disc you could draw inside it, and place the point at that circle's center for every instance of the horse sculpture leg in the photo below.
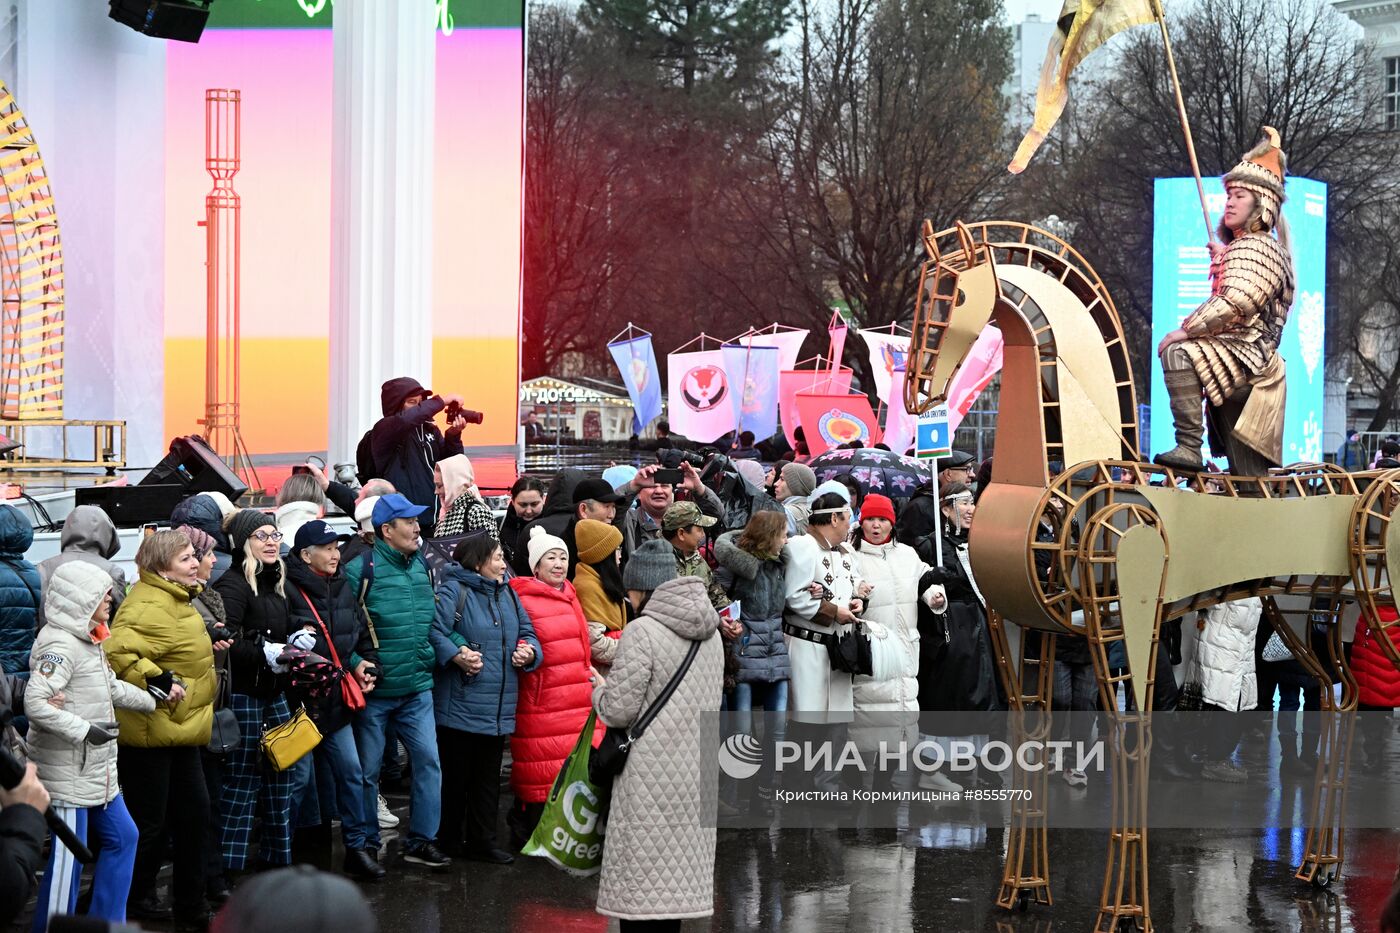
(1122, 566)
(1029, 687)
(1325, 848)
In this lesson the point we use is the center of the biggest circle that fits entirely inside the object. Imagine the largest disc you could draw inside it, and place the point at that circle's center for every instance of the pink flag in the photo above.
(899, 424)
(788, 342)
(792, 381)
(837, 330)
(981, 366)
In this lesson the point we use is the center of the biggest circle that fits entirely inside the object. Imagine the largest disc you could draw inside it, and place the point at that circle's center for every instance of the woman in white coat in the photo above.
(898, 579)
(1225, 664)
(824, 594)
(74, 745)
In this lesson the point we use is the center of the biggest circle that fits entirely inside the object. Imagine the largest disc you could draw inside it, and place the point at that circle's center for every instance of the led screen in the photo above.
(1180, 282)
(278, 53)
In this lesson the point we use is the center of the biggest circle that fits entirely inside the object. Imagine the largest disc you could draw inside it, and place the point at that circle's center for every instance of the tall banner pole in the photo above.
(937, 510)
(1181, 113)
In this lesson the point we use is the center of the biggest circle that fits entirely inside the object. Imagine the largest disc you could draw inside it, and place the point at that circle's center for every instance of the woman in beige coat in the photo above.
(659, 851)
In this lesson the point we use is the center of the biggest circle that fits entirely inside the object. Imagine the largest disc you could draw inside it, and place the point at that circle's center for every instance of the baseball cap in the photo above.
(394, 505)
(683, 514)
(596, 489)
(314, 533)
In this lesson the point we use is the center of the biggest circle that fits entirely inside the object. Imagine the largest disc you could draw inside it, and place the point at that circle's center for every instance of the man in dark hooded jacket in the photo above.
(557, 518)
(406, 445)
(89, 536)
(561, 513)
(204, 511)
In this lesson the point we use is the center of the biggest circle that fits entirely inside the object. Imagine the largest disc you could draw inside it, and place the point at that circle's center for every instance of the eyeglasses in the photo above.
(266, 536)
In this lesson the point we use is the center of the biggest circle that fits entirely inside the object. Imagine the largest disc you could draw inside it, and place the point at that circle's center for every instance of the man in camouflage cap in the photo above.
(683, 525)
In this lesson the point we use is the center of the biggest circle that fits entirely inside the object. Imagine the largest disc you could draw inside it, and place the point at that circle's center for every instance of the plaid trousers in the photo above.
(250, 779)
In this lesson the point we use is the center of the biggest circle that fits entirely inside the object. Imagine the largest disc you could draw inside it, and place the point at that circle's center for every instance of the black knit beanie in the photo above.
(241, 524)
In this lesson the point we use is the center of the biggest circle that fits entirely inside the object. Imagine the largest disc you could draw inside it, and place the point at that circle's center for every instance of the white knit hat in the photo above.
(364, 513)
(541, 543)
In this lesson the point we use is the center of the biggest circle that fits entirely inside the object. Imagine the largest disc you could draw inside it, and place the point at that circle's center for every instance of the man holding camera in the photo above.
(643, 523)
(405, 444)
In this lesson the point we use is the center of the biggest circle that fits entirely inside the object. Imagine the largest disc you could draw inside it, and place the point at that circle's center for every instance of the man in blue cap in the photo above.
(393, 584)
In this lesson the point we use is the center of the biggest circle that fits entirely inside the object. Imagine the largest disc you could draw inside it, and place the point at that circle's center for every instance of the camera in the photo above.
(673, 457)
(455, 410)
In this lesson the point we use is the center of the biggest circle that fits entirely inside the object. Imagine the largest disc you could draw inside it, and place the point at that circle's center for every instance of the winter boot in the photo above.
(1184, 391)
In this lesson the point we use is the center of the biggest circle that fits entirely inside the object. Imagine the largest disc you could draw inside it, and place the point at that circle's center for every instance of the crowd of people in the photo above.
(148, 712)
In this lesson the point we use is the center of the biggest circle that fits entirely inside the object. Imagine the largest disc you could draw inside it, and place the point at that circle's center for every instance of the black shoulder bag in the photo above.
(608, 759)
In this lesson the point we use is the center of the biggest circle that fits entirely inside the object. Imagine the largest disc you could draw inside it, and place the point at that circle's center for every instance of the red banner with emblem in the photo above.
(828, 421)
(792, 381)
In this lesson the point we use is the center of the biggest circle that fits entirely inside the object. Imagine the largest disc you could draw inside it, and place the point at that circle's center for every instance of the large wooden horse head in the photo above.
(958, 292)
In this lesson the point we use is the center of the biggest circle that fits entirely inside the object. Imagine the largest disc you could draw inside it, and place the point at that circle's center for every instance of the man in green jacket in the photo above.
(393, 582)
(683, 526)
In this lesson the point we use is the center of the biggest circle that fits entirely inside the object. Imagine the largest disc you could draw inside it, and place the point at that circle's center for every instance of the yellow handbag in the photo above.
(288, 743)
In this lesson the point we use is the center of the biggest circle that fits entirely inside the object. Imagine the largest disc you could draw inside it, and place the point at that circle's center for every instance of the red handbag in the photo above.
(350, 692)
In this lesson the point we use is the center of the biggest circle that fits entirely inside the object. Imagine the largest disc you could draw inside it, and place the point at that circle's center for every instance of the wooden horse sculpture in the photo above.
(1151, 545)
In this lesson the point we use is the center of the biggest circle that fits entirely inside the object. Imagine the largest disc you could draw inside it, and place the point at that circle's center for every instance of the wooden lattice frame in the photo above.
(31, 276)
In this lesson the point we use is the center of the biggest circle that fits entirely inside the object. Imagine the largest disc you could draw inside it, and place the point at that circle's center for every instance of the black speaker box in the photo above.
(193, 464)
(182, 20)
(134, 506)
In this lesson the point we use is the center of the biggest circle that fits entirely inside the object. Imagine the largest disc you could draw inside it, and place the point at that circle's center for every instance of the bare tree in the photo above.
(894, 114)
(580, 249)
(1367, 336)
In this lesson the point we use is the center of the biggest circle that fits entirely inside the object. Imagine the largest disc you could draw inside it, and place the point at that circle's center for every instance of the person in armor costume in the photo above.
(1227, 349)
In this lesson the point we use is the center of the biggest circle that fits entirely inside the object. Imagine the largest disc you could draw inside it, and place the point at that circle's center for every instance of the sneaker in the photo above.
(1226, 771)
(426, 853)
(937, 780)
(1075, 778)
(387, 820)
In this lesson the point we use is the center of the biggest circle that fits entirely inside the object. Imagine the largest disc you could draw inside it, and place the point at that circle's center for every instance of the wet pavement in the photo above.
(931, 875)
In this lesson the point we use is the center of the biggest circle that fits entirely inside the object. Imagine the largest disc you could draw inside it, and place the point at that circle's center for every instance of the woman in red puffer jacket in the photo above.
(556, 697)
(1377, 681)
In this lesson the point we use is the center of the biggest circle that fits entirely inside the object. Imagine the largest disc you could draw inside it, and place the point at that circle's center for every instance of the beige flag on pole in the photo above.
(1083, 25)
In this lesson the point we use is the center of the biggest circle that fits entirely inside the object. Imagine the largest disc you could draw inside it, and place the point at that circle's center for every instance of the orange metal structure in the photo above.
(223, 266)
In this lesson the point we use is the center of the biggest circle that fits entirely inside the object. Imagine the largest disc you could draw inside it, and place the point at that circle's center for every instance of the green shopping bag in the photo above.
(570, 831)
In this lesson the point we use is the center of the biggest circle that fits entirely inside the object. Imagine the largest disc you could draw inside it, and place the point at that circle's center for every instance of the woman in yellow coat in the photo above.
(159, 644)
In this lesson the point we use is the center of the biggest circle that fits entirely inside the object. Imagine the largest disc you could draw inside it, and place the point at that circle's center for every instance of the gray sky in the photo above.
(1016, 10)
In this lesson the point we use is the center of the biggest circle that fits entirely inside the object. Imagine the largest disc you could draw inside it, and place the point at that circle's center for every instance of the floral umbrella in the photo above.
(876, 470)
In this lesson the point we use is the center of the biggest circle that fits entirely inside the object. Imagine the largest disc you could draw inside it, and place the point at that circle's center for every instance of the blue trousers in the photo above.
(412, 719)
(339, 755)
(111, 834)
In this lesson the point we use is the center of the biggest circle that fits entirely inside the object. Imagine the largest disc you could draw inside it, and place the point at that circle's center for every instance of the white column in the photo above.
(381, 207)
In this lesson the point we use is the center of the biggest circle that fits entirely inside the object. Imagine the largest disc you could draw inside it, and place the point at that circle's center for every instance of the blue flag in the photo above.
(636, 360)
(753, 372)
